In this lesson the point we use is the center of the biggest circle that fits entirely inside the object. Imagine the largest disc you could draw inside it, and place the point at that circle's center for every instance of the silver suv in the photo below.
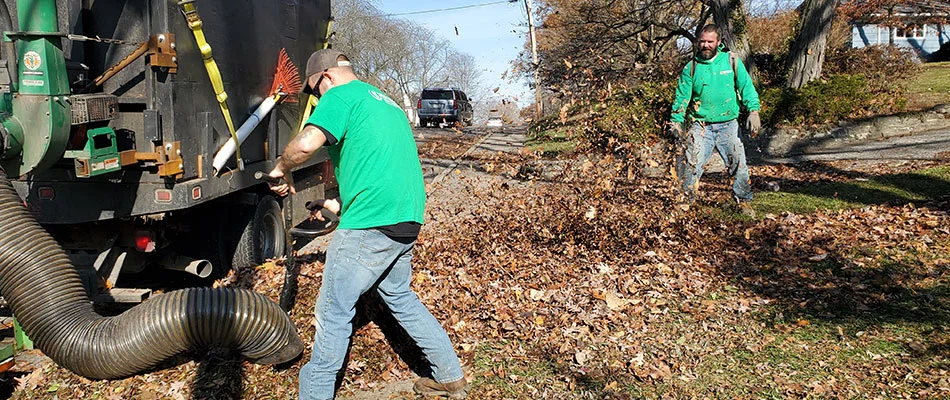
(438, 105)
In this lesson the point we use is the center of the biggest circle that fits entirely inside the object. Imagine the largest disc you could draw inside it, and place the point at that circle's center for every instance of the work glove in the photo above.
(675, 128)
(753, 124)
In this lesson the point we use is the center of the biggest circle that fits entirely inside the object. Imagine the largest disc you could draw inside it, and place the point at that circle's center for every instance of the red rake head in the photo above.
(287, 78)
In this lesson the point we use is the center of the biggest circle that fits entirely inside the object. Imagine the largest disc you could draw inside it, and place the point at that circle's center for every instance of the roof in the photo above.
(918, 9)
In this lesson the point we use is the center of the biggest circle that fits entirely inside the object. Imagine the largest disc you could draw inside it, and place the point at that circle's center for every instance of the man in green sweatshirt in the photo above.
(710, 90)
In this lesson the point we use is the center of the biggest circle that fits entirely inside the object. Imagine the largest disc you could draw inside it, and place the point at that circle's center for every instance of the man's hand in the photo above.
(675, 128)
(753, 124)
(285, 188)
(298, 151)
(331, 205)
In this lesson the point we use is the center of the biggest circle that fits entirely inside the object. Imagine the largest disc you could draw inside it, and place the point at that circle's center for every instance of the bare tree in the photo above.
(462, 70)
(592, 44)
(807, 54)
(398, 56)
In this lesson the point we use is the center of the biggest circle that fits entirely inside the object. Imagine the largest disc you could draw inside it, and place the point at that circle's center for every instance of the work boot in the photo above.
(746, 209)
(452, 390)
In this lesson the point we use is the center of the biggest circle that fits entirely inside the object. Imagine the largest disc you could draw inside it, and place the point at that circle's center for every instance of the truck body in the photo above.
(130, 191)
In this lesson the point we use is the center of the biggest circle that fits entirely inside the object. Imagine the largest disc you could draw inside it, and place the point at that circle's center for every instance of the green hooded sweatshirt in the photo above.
(709, 94)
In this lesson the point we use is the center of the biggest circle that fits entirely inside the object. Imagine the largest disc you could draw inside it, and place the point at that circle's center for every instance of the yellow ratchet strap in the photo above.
(194, 22)
(311, 99)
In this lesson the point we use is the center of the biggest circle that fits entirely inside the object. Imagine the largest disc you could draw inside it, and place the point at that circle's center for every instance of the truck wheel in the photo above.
(263, 236)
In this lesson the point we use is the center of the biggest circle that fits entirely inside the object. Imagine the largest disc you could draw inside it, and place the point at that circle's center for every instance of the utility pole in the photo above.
(534, 52)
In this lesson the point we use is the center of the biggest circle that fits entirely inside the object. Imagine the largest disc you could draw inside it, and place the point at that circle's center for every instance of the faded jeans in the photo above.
(724, 137)
(359, 261)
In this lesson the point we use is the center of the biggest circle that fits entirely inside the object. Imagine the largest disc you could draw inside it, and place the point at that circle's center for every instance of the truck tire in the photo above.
(263, 236)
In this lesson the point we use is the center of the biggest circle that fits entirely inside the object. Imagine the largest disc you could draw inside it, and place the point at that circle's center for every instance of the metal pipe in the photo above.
(199, 268)
(37, 16)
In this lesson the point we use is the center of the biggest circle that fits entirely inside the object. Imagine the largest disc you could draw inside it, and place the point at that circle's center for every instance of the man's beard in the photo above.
(707, 54)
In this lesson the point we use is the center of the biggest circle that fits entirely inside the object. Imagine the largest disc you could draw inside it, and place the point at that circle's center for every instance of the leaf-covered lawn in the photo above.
(581, 279)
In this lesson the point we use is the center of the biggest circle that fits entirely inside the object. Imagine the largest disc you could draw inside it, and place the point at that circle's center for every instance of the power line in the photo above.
(450, 9)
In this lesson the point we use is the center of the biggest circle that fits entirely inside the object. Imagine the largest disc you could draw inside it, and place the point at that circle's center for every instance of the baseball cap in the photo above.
(319, 61)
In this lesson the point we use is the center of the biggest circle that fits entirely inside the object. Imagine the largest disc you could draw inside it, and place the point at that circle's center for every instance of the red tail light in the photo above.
(144, 242)
(455, 104)
(419, 104)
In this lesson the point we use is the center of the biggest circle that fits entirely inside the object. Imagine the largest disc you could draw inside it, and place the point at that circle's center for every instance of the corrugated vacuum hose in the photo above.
(47, 297)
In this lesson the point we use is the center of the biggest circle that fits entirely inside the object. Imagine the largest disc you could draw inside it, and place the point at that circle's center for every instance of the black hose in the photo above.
(47, 297)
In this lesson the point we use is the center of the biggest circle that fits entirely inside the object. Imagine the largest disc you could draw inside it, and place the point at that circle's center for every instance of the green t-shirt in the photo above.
(375, 157)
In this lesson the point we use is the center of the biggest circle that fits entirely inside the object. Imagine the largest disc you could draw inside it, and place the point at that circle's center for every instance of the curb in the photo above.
(789, 142)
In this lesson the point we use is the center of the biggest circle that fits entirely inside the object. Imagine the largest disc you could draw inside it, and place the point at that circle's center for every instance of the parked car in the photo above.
(438, 105)
(494, 122)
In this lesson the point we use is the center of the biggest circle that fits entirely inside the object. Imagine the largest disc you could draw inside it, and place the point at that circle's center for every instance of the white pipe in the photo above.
(226, 151)
(199, 268)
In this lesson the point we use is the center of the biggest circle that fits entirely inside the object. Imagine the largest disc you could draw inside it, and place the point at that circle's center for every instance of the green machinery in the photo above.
(36, 115)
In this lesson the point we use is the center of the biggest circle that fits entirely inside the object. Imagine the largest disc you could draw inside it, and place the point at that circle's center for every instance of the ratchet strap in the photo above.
(311, 99)
(194, 22)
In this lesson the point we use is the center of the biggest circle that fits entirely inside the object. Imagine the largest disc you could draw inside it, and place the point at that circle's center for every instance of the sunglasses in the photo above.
(316, 87)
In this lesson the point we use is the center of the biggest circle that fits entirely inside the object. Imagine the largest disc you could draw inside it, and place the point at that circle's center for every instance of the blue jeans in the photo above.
(358, 261)
(724, 137)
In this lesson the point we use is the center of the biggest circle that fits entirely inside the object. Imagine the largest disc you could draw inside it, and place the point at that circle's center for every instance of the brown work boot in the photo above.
(452, 390)
(746, 208)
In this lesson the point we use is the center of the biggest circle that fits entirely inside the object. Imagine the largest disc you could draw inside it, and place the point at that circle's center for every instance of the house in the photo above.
(921, 28)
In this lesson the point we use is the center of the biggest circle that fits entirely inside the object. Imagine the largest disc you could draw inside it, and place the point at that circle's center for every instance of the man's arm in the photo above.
(298, 151)
(750, 98)
(684, 93)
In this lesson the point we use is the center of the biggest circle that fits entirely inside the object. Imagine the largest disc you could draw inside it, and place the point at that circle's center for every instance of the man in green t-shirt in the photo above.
(382, 201)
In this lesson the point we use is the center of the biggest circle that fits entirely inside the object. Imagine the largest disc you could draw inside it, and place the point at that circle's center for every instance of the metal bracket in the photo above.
(168, 158)
(162, 53)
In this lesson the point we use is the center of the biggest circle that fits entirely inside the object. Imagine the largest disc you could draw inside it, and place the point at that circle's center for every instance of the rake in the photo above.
(286, 80)
(286, 85)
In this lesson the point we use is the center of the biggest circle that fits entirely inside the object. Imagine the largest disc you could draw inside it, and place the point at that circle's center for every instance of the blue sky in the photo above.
(492, 34)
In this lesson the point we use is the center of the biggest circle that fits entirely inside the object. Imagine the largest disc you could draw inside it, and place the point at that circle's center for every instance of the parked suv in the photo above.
(441, 104)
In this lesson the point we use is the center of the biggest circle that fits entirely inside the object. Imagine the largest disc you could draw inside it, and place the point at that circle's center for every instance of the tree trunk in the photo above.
(807, 53)
(726, 14)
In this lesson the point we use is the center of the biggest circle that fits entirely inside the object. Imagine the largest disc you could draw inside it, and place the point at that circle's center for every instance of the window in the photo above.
(910, 31)
(437, 95)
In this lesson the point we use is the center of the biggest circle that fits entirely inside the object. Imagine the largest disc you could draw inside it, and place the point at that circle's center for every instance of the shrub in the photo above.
(857, 83)
(822, 101)
(889, 70)
(629, 117)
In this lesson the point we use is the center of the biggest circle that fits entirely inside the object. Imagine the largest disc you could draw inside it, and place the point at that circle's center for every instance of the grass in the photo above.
(932, 87)
(812, 353)
(920, 186)
(551, 142)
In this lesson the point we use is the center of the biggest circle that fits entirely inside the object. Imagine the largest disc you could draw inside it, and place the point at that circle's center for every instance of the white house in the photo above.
(913, 31)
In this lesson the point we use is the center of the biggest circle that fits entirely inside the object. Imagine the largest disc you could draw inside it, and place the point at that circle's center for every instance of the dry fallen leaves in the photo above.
(580, 265)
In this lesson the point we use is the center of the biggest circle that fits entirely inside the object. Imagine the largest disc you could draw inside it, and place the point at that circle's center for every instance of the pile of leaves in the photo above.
(579, 279)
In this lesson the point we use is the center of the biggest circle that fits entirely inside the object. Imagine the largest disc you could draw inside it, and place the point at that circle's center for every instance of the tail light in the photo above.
(144, 241)
(419, 104)
(455, 104)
